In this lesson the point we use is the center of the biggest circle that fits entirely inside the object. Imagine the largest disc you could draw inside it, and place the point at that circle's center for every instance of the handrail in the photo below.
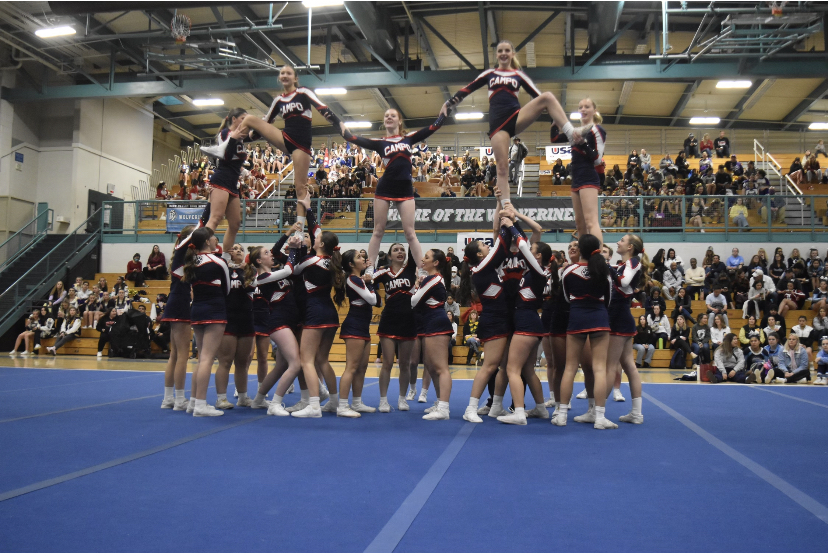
(56, 247)
(262, 194)
(35, 237)
(521, 172)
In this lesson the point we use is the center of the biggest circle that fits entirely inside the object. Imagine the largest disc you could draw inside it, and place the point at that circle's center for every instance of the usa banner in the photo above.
(553, 153)
(477, 214)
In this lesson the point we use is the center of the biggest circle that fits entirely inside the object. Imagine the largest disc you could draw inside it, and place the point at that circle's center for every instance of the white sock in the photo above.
(443, 406)
(168, 392)
(383, 399)
(424, 391)
(400, 399)
(599, 412)
(497, 401)
(474, 402)
(568, 128)
(357, 400)
(314, 402)
(277, 399)
(200, 403)
(221, 397)
(179, 394)
(636, 406)
(301, 220)
(259, 398)
(520, 412)
(334, 398)
(616, 391)
(343, 404)
(562, 409)
(242, 396)
(591, 404)
(305, 395)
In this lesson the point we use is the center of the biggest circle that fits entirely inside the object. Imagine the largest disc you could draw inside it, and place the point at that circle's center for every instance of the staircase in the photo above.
(266, 211)
(27, 261)
(531, 180)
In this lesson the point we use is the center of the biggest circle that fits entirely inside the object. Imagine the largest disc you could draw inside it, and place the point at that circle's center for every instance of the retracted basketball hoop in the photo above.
(180, 27)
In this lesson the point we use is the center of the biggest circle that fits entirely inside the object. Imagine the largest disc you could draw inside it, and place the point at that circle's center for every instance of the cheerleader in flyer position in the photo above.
(506, 117)
(295, 106)
(355, 332)
(395, 183)
(586, 183)
(587, 287)
(210, 279)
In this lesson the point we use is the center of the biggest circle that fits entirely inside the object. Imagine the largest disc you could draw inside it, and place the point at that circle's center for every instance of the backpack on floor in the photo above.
(678, 360)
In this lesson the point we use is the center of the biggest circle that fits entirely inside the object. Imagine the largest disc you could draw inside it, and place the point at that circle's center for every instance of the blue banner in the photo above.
(181, 216)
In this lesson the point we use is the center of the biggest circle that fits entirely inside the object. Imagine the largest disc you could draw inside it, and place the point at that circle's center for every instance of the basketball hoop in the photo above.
(180, 28)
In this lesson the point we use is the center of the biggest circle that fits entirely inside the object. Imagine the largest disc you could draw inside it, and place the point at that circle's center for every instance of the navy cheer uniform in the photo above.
(503, 97)
(361, 300)
(239, 306)
(588, 308)
(178, 302)
(429, 305)
(320, 311)
(527, 321)
(210, 289)
(625, 276)
(395, 183)
(231, 156)
(494, 316)
(560, 311)
(397, 319)
(585, 157)
(296, 109)
(547, 307)
(276, 290)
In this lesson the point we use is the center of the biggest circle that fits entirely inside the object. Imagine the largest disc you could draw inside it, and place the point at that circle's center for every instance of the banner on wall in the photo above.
(462, 213)
(554, 152)
(181, 216)
(485, 151)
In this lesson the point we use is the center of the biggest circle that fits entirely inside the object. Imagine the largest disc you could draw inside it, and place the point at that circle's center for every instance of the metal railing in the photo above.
(785, 181)
(644, 214)
(29, 234)
(79, 241)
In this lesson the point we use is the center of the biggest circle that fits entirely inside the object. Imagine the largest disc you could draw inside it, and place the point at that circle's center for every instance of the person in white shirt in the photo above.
(717, 304)
(805, 335)
(771, 327)
(672, 278)
(673, 258)
(769, 286)
(84, 292)
(694, 279)
(717, 332)
(660, 326)
(645, 159)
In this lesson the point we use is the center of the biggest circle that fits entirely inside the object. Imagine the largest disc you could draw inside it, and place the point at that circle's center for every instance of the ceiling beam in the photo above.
(682, 103)
(756, 90)
(609, 43)
(426, 46)
(537, 30)
(481, 13)
(448, 44)
(165, 114)
(801, 108)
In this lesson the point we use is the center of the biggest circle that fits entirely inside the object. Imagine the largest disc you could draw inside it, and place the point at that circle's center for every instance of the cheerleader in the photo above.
(585, 181)
(397, 330)
(587, 286)
(177, 313)
(224, 182)
(355, 332)
(295, 106)
(210, 279)
(547, 310)
(434, 329)
(480, 271)
(275, 290)
(321, 272)
(528, 328)
(396, 182)
(506, 117)
(626, 278)
(237, 343)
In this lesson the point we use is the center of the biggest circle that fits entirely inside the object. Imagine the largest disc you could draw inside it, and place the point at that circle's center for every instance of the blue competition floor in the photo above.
(90, 463)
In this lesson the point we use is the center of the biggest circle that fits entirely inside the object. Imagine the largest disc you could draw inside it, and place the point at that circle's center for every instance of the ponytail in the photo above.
(330, 244)
(347, 259)
(197, 243)
(234, 113)
(545, 252)
(440, 257)
(590, 249)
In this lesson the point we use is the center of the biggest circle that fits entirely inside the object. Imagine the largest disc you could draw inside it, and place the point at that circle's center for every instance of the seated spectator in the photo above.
(706, 145)
(705, 163)
(790, 298)
(134, 271)
(691, 146)
(754, 358)
(92, 312)
(756, 303)
(104, 326)
(645, 160)
(813, 173)
(723, 181)
(667, 166)
(816, 267)
(700, 340)
(672, 278)
(156, 268)
(819, 300)
(794, 364)
(644, 343)
(734, 166)
(122, 304)
(694, 278)
(730, 362)
(756, 263)
(659, 325)
(470, 337)
(671, 257)
(560, 172)
(722, 145)
(735, 261)
(27, 337)
(633, 159)
(655, 300)
(795, 171)
(69, 330)
(682, 166)
(805, 333)
(683, 306)
(161, 192)
(680, 337)
(750, 329)
(717, 304)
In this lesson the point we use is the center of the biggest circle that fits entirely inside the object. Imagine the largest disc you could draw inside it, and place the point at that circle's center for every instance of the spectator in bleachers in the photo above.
(730, 362)
(633, 160)
(716, 301)
(645, 160)
(683, 306)
(134, 271)
(672, 278)
(655, 300)
(672, 257)
(756, 303)
(795, 171)
(819, 299)
(69, 330)
(644, 343)
(722, 146)
(805, 334)
(446, 190)
(718, 332)
(795, 258)
(122, 304)
(680, 336)
(700, 340)
(72, 298)
(813, 173)
(104, 326)
(738, 215)
(156, 268)
(794, 362)
(820, 324)
(682, 166)
(706, 145)
(771, 326)
(470, 337)
(559, 172)
(667, 166)
(658, 323)
(694, 278)
(57, 295)
(27, 337)
(791, 298)
(749, 330)
(734, 166)
(161, 192)
(815, 267)
(821, 363)
(91, 312)
(517, 152)
(756, 263)
(705, 163)
(691, 146)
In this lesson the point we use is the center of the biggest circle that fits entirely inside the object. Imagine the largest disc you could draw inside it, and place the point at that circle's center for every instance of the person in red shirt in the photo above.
(134, 271)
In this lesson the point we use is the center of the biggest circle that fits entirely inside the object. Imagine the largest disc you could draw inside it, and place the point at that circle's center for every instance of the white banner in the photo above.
(553, 153)
(485, 151)
(464, 239)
